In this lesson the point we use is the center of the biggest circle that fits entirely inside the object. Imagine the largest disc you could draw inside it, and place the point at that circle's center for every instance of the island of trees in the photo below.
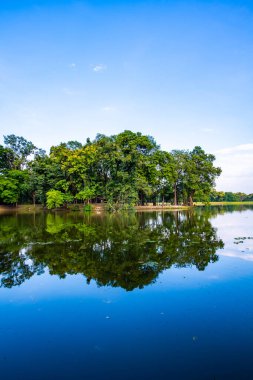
(122, 170)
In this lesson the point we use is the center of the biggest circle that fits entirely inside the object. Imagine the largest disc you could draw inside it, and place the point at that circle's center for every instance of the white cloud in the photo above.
(238, 255)
(99, 67)
(208, 130)
(73, 92)
(237, 168)
(72, 65)
(108, 109)
(68, 91)
(235, 149)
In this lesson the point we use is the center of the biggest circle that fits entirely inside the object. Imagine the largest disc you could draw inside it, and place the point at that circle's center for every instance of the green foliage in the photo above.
(87, 208)
(86, 194)
(55, 198)
(73, 145)
(21, 149)
(221, 196)
(122, 170)
(8, 190)
(6, 159)
(13, 186)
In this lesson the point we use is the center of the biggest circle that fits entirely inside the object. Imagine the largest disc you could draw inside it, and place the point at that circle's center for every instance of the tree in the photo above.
(165, 166)
(73, 145)
(9, 192)
(14, 186)
(55, 198)
(86, 194)
(230, 197)
(21, 149)
(6, 159)
(124, 169)
(217, 196)
(131, 165)
(200, 174)
(178, 171)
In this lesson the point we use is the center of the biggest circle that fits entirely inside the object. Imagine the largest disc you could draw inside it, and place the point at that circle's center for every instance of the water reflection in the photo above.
(128, 251)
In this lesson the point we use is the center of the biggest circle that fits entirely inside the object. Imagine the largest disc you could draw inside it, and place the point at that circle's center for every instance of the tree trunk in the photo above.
(175, 194)
(34, 198)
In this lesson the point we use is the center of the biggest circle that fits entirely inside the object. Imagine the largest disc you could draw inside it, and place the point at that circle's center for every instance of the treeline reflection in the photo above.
(127, 251)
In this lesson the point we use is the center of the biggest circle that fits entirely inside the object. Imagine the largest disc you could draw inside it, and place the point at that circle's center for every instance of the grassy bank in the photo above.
(224, 203)
(166, 207)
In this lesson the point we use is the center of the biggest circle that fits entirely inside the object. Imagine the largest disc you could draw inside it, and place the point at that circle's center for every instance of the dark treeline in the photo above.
(122, 170)
(228, 196)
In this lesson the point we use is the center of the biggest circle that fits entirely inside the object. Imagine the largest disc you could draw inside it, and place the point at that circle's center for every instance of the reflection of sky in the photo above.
(232, 226)
(234, 263)
(53, 328)
(229, 226)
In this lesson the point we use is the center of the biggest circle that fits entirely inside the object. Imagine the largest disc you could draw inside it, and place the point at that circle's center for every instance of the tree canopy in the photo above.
(124, 169)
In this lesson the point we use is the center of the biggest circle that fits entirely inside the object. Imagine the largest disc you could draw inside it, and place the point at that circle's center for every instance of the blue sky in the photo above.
(181, 71)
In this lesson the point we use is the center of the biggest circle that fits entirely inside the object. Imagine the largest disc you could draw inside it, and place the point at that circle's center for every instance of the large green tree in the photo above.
(200, 174)
(21, 149)
(6, 159)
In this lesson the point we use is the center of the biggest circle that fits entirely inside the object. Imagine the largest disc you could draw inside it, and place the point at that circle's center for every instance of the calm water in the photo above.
(139, 296)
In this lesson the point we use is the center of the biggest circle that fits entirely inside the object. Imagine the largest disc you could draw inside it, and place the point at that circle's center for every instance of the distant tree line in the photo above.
(228, 196)
(122, 170)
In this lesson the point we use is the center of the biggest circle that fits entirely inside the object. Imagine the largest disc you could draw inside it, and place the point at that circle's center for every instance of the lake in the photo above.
(161, 295)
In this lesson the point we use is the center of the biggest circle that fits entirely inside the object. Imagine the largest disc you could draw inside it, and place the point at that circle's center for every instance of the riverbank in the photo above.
(21, 208)
(100, 207)
(160, 207)
(97, 207)
(223, 203)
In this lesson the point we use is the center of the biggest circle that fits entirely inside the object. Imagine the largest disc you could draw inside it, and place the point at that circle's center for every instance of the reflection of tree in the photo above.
(213, 211)
(117, 250)
(15, 263)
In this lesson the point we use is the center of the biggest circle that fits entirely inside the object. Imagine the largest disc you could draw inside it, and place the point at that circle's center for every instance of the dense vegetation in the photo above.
(124, 169)
(228, 196)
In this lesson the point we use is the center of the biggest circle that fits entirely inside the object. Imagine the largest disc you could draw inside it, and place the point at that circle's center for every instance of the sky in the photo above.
(180, 71)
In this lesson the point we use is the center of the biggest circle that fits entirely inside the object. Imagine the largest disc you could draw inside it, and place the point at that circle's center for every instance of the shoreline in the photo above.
(101, 207)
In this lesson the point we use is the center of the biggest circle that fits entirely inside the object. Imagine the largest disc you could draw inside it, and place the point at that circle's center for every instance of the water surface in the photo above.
(135, 296)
